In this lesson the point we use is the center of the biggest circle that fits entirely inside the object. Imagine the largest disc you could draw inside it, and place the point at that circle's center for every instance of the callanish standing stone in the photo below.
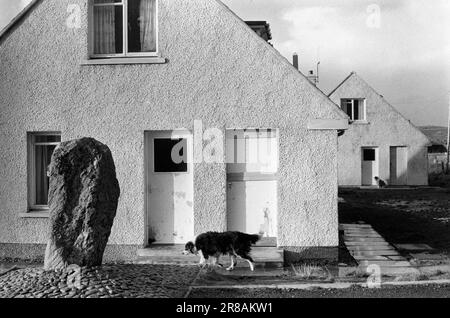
(83, 199)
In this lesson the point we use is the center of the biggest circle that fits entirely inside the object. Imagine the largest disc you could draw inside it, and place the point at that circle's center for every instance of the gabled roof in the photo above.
(26, 11)
(336, 108)
(342, 83)
(352, 74)
(17, 19)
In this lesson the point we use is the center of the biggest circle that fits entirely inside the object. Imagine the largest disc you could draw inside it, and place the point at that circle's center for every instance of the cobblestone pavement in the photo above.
(109, 281)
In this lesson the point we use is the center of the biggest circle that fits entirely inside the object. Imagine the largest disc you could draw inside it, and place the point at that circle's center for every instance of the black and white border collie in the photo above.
(213, 245)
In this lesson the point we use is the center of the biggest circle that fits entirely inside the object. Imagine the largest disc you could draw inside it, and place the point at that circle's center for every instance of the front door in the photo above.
(369, 165)
(169, 187)
(252, 166)
(399, 165)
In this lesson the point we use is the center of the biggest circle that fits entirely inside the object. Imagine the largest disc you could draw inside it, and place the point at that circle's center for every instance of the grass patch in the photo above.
(310, 271)
(439, 180)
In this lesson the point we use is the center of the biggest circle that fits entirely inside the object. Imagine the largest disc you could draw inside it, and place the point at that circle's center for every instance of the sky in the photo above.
(400, 47)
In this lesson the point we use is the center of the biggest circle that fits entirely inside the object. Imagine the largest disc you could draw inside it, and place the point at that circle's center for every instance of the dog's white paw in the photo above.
(230, 268)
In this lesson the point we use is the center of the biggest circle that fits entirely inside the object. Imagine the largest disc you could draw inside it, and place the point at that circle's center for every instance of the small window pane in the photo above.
(369, 154)
(141, 26)
(47, 138)
(43, 155)
(356, 112)
(108, 29)
(347, 107)
(163, 160)
(361, 110)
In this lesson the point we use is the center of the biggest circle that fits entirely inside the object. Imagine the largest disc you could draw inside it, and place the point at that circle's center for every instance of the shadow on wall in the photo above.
(160, 217)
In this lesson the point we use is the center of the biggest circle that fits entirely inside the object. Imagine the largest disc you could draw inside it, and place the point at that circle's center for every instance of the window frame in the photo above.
(364, 108)
(237, 140)
(125, 53)
(31, 136)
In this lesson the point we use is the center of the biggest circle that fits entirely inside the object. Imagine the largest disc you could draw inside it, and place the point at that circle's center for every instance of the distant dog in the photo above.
(380, 183)
(213, 245)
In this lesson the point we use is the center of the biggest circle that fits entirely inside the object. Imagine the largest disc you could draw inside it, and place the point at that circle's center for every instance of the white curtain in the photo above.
(147, 18)
(104, 30)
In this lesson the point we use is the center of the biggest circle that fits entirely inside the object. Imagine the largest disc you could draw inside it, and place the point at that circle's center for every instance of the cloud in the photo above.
(407, 59)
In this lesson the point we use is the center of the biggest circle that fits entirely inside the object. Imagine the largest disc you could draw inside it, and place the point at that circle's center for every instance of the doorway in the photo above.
(398, 165)
(169, 187)
(252, 182)
(369, 158)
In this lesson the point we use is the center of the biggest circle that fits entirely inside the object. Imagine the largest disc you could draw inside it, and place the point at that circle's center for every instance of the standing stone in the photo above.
(83, 198)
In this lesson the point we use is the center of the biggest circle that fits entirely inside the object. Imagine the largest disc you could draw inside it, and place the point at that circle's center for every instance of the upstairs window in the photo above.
(354, 108)
(123, 28)
(40, 150)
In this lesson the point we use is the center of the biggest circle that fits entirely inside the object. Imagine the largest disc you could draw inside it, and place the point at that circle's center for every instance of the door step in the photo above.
(267, 242)
(264, 257)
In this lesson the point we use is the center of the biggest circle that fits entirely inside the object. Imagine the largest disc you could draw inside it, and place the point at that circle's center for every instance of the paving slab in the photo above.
(365, 239)
(367, 243)
(396, 257)
(359, 232)
(369, 248)
(375, 253)
(386, 263)
(362, 235)
(396, 271)
(428, 257)
(414, 247)
(370, 258)
(356, 226)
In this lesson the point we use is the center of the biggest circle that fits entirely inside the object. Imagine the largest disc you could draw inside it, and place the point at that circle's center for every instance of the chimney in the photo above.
(295, 60)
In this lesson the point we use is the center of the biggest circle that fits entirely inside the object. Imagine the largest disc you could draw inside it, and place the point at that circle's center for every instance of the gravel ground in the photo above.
(109, 281)
(429, 291)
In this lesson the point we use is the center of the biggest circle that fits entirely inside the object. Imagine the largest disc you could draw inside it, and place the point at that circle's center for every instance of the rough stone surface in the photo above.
(228, 77)
(111, 281)
(83, 198)
(385, 127)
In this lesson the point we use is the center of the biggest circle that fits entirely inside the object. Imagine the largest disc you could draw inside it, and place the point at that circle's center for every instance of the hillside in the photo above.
(437, 134)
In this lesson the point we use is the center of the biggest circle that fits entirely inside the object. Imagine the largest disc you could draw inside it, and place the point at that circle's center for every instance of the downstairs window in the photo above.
(40, 150)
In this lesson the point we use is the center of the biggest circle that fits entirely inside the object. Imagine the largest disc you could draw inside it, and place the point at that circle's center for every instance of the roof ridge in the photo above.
(336, 108)
(345, 80)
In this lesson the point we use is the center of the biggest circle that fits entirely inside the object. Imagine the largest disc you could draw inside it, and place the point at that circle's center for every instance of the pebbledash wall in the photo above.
(385, 127)
(216, 70)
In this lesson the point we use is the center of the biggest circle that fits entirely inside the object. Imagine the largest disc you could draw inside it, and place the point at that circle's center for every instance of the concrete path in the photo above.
(368, 248)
